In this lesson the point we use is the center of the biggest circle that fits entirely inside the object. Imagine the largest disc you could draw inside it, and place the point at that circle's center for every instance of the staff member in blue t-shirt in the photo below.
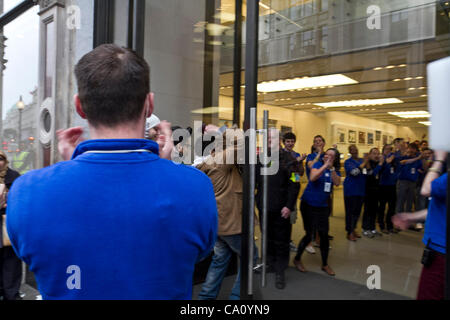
(315, 207)
(410, 167)
(387, 191)
(372, 197)
(354, 190)
(316, 154)
(432, 279)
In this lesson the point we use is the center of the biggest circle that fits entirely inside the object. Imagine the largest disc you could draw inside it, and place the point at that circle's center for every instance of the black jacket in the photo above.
(10, 176)
(282, 191)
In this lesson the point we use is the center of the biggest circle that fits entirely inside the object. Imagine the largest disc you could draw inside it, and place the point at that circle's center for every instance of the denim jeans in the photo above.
(223, 249)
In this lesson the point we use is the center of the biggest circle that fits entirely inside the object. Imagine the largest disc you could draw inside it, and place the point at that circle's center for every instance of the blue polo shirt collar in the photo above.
(116, 145)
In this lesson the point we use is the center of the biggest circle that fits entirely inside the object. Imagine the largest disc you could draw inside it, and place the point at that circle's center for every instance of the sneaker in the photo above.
(385, 231)
(317, 245)
(310, 249)
(376, 233)
(368, 234)
(356, 235)
(293, 247)
(330, 237)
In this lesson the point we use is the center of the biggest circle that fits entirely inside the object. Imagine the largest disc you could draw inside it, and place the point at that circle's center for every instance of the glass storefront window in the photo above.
(350, 76)
(19, 90)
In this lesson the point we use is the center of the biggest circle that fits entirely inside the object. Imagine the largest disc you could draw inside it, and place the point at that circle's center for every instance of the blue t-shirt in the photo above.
(410, 171)
(133, 224)
(355, 179)
(309, 158)
(318, 192)
(388, 173)
(435, 227)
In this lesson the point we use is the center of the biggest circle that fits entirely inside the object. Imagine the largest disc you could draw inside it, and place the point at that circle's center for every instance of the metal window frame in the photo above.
(15, 12)
(251, 79)
(103, 22)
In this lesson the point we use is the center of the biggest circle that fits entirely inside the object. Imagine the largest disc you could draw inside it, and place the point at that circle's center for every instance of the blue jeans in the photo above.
(223, 249)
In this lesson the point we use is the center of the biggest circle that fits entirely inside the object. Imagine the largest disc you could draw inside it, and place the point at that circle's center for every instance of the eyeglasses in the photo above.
(2, 159)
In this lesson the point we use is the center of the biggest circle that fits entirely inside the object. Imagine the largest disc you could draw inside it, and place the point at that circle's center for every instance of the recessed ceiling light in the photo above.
(401, 65)
(411, 114)
(396, 80)
(305, 83)
(418, 78)
(426, 123)
(377, 68)
(408, 78)
(359, 103)
(390, 67)
(424, 95)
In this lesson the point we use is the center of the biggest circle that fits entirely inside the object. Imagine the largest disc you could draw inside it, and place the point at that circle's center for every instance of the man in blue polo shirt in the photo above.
(116, 221)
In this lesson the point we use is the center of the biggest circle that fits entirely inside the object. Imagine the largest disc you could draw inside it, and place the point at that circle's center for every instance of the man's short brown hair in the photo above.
(113, 84)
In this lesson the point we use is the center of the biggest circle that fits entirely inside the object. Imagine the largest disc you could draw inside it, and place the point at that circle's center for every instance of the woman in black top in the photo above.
(10, 265)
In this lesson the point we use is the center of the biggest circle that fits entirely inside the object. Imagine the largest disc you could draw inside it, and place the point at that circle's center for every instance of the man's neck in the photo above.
(127, 131)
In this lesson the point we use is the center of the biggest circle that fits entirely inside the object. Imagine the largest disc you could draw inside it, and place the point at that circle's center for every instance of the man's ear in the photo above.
(78, 107)
(149, 106)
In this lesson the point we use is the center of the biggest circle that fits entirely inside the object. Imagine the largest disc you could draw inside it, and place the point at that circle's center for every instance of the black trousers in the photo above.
(353, 206)
(10, 274)
(278, 239)
(388, 195)
(315, 219)
(371, 204)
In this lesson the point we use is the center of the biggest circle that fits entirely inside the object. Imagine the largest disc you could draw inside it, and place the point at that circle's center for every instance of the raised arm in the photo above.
(433, 172)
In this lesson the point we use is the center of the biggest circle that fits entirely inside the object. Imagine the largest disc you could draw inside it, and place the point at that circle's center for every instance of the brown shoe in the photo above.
(351, 237)
(328, 270)
(299, 265)
(356, 235)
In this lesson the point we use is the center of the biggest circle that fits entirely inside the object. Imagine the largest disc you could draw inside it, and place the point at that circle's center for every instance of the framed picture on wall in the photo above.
(370, 138)
(362, 137)
(340, 135)
(385, 139)
(351, 136)
(391, 139)
(378, 135)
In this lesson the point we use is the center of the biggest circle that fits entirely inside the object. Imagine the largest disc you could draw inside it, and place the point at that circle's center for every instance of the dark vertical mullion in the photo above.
(103, 22)
(208, 62)
(251, 77)
(138, 26)
(130, 23)
(237, 63)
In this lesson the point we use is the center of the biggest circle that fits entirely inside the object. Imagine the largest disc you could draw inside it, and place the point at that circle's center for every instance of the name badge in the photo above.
(327, 187)
(327, 175)
(413, 170)
(364, 171)
(392, 171)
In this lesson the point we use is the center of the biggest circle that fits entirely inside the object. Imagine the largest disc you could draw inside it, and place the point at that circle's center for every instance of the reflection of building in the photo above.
(29, 120)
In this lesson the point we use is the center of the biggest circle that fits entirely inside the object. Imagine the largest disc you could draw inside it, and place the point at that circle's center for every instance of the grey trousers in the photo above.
(406, 191)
